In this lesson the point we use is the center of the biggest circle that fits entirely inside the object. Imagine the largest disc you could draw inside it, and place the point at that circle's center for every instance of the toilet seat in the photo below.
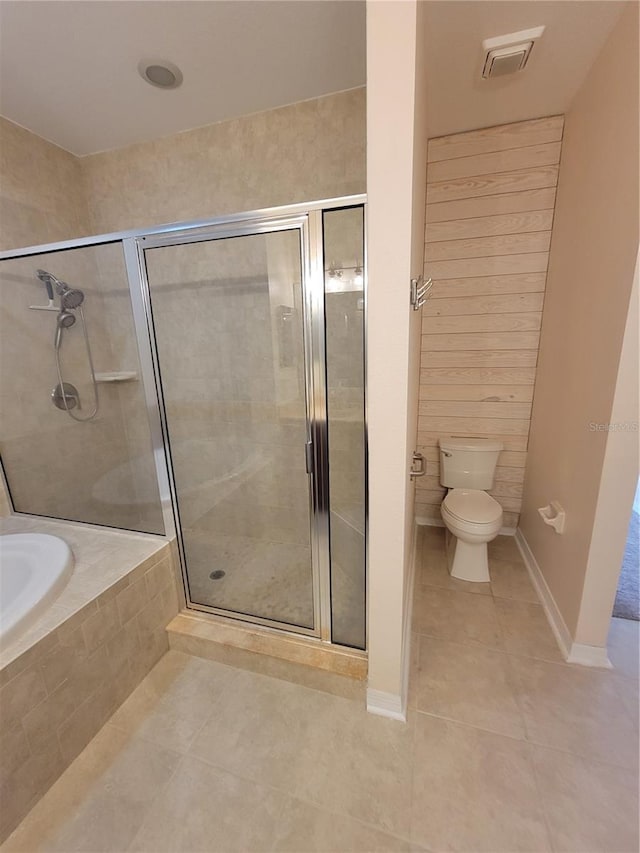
(472, 506)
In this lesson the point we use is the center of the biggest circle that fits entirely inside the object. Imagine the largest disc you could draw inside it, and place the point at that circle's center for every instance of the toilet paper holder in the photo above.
(553, 515)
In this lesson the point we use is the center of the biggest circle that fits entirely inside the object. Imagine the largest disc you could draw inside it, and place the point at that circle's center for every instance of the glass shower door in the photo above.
(230, 324)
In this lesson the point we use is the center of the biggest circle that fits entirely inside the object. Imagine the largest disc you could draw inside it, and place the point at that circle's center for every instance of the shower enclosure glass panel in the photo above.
(343, 241)
(229, 320)
(79, 461)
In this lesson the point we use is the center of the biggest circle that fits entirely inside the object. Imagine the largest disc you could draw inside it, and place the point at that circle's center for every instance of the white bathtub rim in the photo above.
(29, 606)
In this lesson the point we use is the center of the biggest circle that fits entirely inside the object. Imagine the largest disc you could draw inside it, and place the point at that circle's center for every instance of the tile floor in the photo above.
(506, 748)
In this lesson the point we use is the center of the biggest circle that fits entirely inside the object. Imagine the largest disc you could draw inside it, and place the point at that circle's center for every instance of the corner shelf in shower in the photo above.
(117, 376)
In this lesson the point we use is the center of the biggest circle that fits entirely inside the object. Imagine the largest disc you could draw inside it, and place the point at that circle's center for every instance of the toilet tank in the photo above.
(468, 463)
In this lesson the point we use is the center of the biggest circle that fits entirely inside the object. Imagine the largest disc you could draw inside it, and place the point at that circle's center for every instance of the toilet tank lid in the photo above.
(480, 444)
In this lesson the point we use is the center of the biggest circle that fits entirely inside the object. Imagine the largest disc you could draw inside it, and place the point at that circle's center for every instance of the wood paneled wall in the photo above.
(490, 204)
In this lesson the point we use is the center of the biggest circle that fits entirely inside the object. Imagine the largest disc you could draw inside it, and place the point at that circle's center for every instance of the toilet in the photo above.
(472, 517)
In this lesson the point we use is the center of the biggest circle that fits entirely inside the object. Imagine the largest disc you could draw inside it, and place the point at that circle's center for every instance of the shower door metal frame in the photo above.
(308, 224)
(131, 241)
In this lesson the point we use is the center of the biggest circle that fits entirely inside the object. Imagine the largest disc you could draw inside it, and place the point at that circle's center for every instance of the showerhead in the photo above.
(65, 320)
(71, 297)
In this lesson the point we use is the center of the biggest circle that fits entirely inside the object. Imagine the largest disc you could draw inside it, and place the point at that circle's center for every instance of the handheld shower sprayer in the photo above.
(65, 320)
(45, 278)
(64, 394)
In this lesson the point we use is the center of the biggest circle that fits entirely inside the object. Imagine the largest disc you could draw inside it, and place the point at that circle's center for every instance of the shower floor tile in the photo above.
(262, 578)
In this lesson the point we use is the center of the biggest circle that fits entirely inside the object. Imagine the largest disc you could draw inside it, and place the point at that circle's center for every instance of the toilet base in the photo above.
(467, 561)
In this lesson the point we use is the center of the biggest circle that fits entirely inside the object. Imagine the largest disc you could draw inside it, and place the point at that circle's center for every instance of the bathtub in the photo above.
(34, 568)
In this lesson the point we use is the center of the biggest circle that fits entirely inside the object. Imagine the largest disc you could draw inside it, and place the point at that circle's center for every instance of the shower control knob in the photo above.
(65, 396)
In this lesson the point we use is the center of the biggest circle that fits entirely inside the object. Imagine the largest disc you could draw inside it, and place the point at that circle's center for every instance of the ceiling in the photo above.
(458, 98)
(68, 70)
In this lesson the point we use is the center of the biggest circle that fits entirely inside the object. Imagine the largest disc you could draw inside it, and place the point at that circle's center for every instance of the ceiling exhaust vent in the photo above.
(509, 53)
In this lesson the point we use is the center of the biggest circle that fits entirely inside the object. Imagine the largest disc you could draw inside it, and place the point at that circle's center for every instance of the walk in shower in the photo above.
(209, 384)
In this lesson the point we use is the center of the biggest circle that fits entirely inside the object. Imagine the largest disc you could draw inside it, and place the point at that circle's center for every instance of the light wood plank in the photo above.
(506, 490)
(480, 341)
(506, 303)
(424, 510)
(503, 474)
(507, 474)
(428, 484)
(464, 409)
(457, 288)
(510, 460)
(499, 182)
(479, 393)
(509, 160)
(499, 265)
(509, 504)
(431, 496)
(511, 443)
(483, 247)
(479, 426)
(482, 376)
(488, 358)
(492, 205)
(489, 226)
(528, 321)
(515, 135)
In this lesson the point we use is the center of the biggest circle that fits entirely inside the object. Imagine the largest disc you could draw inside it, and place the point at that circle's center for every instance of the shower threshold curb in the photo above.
(333, 669)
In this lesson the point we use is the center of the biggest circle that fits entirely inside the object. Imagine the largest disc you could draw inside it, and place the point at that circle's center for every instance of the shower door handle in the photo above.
(308, 456)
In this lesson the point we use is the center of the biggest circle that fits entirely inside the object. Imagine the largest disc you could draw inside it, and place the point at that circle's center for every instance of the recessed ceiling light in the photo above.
(160, 73)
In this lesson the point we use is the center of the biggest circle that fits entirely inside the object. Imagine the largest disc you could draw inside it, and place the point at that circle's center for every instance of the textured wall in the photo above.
(41, 191)
(490, 205)
(593, 255)
(311, 150)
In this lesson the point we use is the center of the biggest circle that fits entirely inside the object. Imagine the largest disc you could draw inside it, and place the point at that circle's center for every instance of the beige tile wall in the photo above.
(57, 695)
(490, 204)
(310, 150)
(314, 149)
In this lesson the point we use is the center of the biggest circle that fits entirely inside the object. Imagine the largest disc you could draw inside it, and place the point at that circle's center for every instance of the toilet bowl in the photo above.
(472, 518)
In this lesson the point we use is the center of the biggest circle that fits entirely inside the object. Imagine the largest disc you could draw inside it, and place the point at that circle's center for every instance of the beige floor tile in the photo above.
(412, 693)
(359, 764)
(434, 572)
(456, 616)
(623, 646)
(261, 728)
(204, 808)
(470, 684)
(323, 748)
(505, 548)
(526, 630)
(511, 580)
(474, 791)
(175, 700)
(305, 828)
(432, 538)
(100, 801)
(590, 807)
(577, 709)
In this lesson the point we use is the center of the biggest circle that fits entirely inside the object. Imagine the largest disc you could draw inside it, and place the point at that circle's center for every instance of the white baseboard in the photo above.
(589, 656)
(554, 617)
(572, 652)
(423, 521)
(386, 704)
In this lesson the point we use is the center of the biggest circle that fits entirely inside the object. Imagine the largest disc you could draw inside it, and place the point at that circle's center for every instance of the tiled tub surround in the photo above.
(506, 748)
(61, 680)
(490, 204)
